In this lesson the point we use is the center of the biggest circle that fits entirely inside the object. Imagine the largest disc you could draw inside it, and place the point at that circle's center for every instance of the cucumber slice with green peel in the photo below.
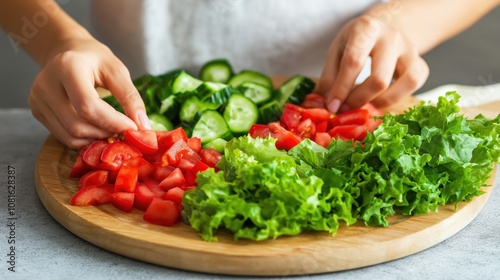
(191, 106)
(240, 113)
(184, 82)
(294, 90)
(210, 126)
(217, 70)
(270, 112)
(221, 96)
(250, 76)
(258, 93)
(217, 144)
(170, 106)
(160, 122)
(208, 88)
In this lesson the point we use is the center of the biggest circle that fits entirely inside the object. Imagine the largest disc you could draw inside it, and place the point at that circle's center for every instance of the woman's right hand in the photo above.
(64, 99)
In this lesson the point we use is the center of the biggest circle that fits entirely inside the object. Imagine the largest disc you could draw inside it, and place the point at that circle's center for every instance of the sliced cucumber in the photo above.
(184, 82)
(250, 76)
(210, 126)
(294, 90)
(160, 122)
(217, 70)
(208, 88)
(258, 93)
(193, 105)
(217, 144)
(270, 112)
(240, 113)
(221, 96)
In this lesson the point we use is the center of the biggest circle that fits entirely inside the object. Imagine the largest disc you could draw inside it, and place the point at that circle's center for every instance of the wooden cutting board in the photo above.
(180, 246)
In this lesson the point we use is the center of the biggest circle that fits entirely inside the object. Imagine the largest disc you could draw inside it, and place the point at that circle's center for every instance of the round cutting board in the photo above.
(180, 246)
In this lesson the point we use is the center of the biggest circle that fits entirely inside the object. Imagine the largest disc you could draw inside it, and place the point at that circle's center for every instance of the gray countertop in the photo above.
(46, 250)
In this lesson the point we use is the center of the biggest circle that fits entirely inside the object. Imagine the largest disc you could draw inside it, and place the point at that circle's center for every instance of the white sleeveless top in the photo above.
(276, 37)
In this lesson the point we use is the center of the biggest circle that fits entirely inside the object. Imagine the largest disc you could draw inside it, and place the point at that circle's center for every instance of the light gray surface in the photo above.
(470, 58)
(47, 250)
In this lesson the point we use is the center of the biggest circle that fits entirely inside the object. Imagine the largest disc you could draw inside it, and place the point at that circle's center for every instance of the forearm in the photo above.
(38, 26)
(427, 23)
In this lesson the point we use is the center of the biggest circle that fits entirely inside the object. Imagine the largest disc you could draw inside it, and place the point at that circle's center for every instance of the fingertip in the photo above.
(143, 120)
(334, 105)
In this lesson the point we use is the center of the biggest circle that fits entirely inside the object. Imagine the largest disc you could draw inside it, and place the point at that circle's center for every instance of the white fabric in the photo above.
(277, 37)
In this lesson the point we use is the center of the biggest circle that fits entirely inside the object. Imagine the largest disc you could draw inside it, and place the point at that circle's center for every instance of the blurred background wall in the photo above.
(471, 58)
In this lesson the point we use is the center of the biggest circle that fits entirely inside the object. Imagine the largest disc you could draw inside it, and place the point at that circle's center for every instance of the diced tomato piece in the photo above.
(143, 197)
(317, 114)
(210, 157)
(144, 140)
(259, 130)
(154, 186)
(372, 124)
(174, 179)
(350, 131)
(313, 100)
(126, 180)
(162, 212)
(93, 195)
(123, 200)
(174, 195)
(115, 154)
(355, 116)
(323, 138)
(291, 116)
(145, 169)
(199, 167)
(190, 178)
(79, 167)
(322, 126)
(92, 178)
(372, 110)
(306, 129)
(178, 151)
(92, 156)
(168, 138)
(284, 138)
(161, 172)
(195, 144)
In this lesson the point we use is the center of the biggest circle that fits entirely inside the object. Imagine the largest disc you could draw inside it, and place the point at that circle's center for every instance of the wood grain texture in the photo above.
(181, 247)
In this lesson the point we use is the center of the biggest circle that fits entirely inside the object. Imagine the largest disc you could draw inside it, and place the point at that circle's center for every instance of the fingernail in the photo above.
(143, 118)
(344, 108)
(334, 105)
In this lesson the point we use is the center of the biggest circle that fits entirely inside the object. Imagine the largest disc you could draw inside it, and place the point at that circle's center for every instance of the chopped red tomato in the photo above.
(317, 114)
(126, 179)
(92, 178)
(174, 179)
(132, 172)
(123, 200)
(144, 140)
(284, 138)
(114, 154)
(92, 155)
(143, 197)
(313, 100)
(355, 116)
(210, 157)
(174, 195)
(93, 195)
(162, 212)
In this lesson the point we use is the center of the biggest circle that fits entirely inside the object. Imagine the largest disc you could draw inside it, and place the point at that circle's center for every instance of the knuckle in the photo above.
(353, 59)
(379, 83)
(85, 110)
